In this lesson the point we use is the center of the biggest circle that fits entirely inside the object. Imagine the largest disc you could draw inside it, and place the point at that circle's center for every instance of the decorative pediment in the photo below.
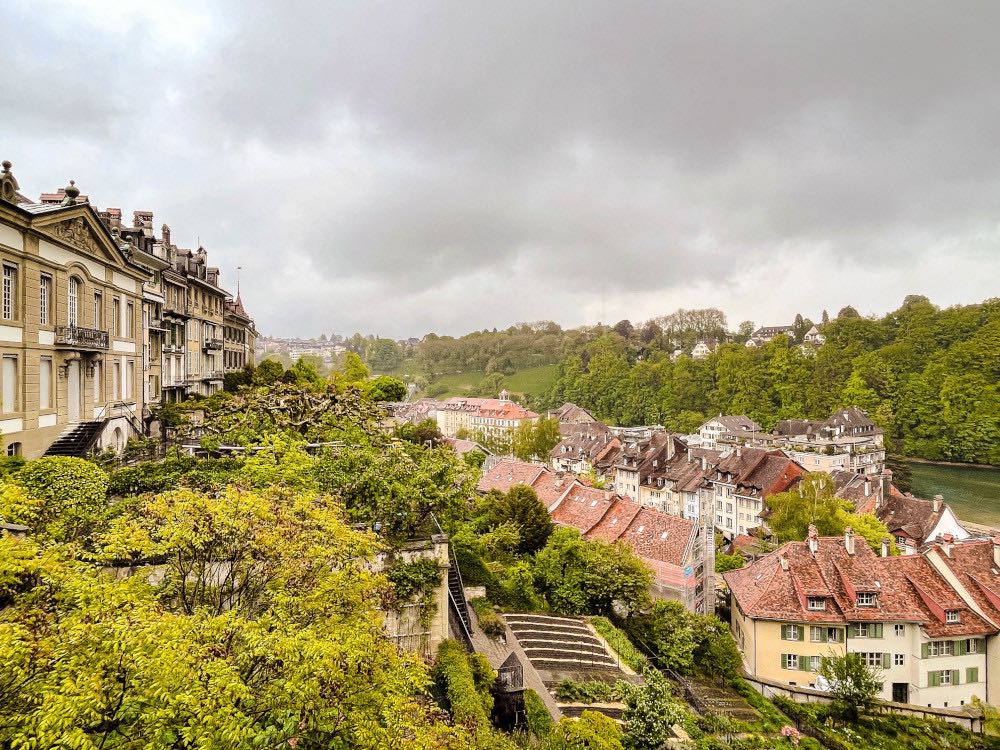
(77, 233)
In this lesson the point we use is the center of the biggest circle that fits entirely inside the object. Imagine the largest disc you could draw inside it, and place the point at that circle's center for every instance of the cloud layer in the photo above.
(403, 167)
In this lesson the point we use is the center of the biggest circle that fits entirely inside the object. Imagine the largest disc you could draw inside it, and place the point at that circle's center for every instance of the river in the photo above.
(974, 494)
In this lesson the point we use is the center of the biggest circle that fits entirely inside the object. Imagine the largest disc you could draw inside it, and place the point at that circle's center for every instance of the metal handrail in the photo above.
(453, 561)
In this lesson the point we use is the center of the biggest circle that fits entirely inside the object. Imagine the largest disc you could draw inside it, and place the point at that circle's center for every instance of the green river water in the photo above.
(974, 494)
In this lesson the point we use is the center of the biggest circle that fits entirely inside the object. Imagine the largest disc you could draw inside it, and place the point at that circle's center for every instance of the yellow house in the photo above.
(905, 616)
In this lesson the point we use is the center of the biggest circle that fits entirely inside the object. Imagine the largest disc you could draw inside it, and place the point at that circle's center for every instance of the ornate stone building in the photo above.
(98, 322)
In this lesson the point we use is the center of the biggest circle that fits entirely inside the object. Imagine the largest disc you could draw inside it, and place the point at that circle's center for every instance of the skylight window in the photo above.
(663, 535)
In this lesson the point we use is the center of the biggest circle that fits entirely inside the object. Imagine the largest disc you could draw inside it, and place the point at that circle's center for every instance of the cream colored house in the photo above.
(70, 326)
(829, 595)
(482, 416)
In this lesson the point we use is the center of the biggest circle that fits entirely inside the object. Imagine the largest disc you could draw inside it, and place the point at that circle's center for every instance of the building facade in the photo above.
(99, 322)
(490, 417)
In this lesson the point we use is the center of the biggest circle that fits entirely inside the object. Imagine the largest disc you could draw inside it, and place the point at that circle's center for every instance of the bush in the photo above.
(620, 643)
(462, 683)
(539, 720)
(489, 621)
(69, 494)
(593, 691)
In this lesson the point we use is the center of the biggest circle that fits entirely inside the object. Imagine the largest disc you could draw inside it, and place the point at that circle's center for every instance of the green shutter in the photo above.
(933, 678)
(886, 661)
(972, 674)
(980, 645)
(960, 648)
(802, 632)
(853, 630)
(877, 632)
(840, 635)
(784, 632)
(784, 661)
(925, 650)
(955, 677)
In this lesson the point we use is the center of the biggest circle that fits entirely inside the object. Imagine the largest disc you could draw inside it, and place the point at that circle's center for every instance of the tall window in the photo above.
(129, 319)
(98, 311)
(45, 383)
(116, 379)
(44, 298)
(130, 379)
(9, 291)
(9, 383)
(116, 316)
(98, 383)
(73, 300)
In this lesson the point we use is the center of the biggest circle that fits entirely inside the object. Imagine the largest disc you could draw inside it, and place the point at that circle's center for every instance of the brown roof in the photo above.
(508, 473)
(975, 566)
(907, 588)
(570, 413)
(756, 472)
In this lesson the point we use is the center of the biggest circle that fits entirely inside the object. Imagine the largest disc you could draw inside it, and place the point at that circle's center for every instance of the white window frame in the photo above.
(952, 616)
(816, 604)
(45, 371)
(898, 660)
(865, 599)
(899, 629)
(73, 301)
(944, 677)
(791, 661)
(44, 298)
(9, 291)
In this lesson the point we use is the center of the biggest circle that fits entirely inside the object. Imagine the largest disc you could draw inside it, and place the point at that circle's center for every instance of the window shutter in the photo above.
(933, 678)
(878, 630)
(853, 629)
(802, 633)
(972, 674)
(955, 677)
(840, 635)
(925, 650)
(784, 632)
(886, 661)
(960, 648)
(784, 661)
(980, 645)
(823, 635)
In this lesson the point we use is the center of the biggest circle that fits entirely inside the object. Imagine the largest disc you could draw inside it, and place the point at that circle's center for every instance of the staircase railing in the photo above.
(457, 603)
(116, 409)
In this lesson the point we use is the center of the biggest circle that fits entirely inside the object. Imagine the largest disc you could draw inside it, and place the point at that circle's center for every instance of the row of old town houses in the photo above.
(101, 322)
(928, 618)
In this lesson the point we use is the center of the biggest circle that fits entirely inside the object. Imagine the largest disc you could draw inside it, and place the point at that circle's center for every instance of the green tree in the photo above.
(854, 684)
(354, 369)
(521, 507)
(383, 355)
(650, 711)
(580, 577)
(592, 731)
(385, 388)
(268, 372)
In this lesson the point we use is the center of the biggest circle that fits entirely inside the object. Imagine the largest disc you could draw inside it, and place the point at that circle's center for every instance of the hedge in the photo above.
(539, 720)
(620, 643)
(592, 691)
(458, 678)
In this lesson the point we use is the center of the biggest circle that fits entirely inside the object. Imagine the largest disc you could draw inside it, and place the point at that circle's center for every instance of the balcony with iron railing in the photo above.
(212, 345)
(75, 337)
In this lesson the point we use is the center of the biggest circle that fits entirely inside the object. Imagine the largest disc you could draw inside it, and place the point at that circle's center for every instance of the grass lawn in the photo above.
(533, 381)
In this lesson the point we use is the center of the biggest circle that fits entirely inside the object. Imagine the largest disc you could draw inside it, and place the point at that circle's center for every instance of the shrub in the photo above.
(539, 720)
(620, 643)
(70, 495)
(457, 677)
(593, 691)
(489, 621)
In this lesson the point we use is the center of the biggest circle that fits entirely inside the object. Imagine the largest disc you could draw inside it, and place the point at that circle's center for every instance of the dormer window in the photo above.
(816, 604)
(952, 616)
(865, 599)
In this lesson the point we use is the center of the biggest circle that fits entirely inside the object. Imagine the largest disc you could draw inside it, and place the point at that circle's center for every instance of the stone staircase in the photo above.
(77, 440)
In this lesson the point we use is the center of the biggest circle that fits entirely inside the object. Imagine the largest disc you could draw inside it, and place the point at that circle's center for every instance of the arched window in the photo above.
(73, 300)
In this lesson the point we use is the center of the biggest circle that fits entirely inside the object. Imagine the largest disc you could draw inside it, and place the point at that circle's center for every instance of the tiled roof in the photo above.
(910, 516)
(756, 472)
(974, 564)
(493, 408)
(583, 508)
(506, 474)
(582, 441)
(658, 536)
(907, 588)
(737, 423)
(570, 413)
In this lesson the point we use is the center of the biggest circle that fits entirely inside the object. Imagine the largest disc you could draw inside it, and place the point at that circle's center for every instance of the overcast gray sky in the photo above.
(402, 167)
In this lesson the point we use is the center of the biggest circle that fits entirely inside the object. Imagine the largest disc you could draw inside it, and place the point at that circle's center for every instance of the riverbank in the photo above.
(956, 464)
(972, 491)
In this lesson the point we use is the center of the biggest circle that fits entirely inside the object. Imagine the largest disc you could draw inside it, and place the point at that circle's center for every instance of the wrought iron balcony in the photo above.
(213, 345)
(74, 337)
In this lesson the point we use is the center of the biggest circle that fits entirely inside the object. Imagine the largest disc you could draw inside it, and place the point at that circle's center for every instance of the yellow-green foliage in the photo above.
(59, 498)
(465, 682)
(620, 643)
(539, 719)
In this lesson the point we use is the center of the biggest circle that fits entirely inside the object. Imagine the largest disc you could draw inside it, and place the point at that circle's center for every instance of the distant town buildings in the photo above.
(491, 417)
(100, 321)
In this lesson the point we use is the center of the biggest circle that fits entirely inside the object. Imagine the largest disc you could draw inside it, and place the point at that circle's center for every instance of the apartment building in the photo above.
(724, 424)
(740, 483)
(487, 416)
(99, 321)
(71, 331)
(239, 335)
(925, 633)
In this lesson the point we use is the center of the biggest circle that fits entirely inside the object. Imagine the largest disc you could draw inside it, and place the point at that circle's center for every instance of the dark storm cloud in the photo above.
(413, 158)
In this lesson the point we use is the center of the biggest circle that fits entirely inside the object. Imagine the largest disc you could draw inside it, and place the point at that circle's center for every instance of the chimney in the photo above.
(165, 231)
(868, 486)
(884, 489)
(996, 551)
(813, 539)
(885, 546)
(849, 540)
(947, 540)
(704, 463)
(908, 548)
(739, 451)
(938, 502)
(784, 562)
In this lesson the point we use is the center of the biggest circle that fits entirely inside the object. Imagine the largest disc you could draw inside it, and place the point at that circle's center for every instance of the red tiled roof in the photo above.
(583, 507)
(506, 474)
(659, 537)
(488, 407)
(907, 588)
